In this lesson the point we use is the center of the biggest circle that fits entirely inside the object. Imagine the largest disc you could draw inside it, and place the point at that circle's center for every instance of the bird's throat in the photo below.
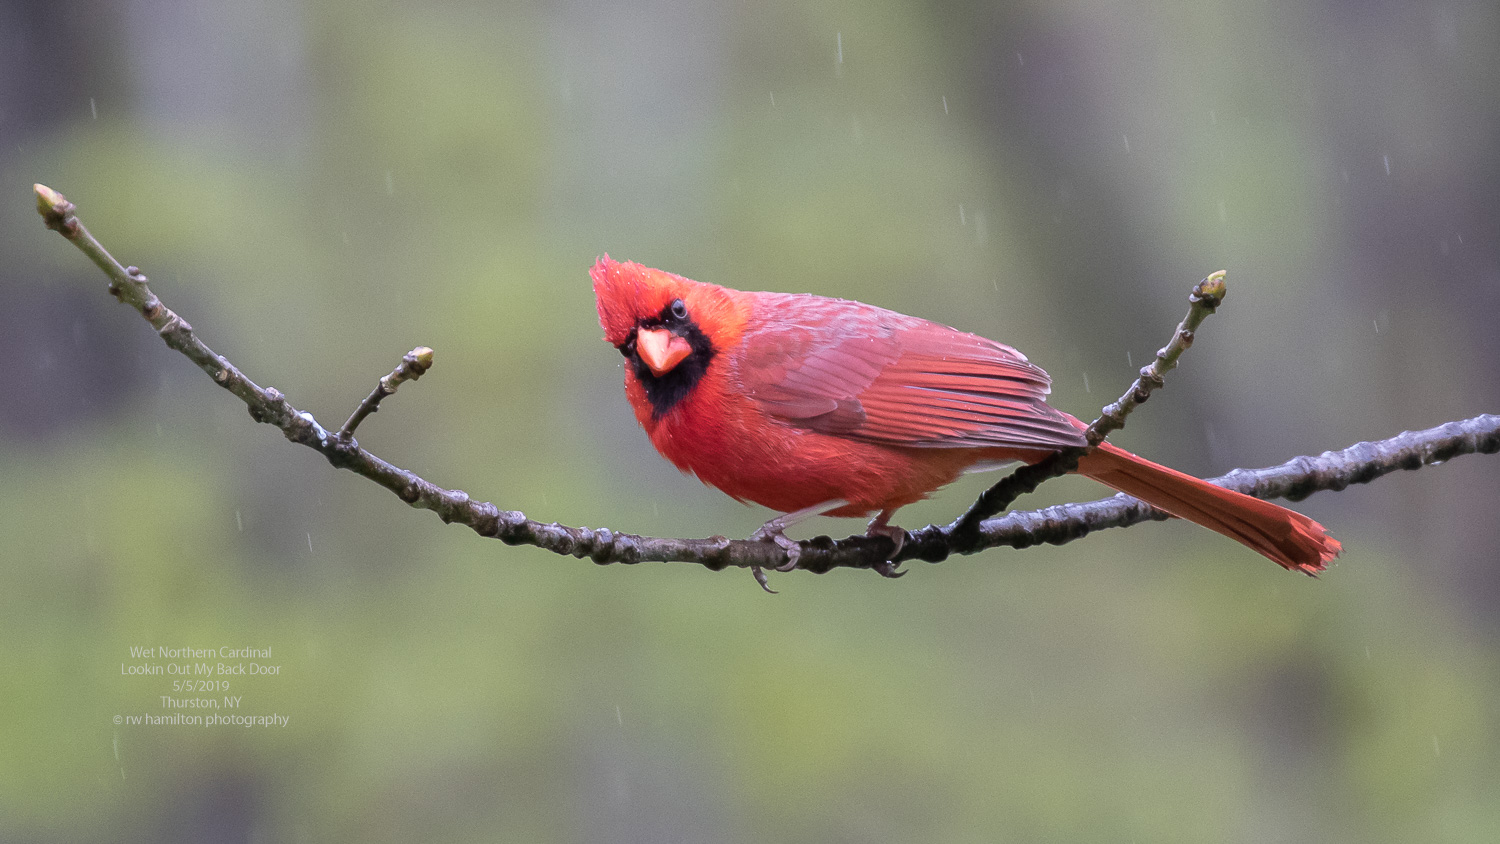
(668, 389)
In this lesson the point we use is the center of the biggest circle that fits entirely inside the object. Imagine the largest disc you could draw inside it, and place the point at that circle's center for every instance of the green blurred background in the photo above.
(320, 186)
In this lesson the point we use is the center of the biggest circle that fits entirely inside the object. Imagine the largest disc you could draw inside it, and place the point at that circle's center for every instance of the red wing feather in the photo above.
(863, 372)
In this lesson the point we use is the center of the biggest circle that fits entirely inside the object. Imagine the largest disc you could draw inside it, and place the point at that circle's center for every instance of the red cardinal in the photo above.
(810, 405)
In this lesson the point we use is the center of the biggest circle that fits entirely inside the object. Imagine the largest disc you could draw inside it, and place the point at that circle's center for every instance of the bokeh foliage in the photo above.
(318, 187)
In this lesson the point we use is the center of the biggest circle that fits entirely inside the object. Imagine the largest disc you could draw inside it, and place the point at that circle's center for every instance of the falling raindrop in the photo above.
(390, 184)
(93, 109)
(309, 542)
(1387, 160)
(1086, 383)
(239, 522)
(1127, 142)
(945, 104)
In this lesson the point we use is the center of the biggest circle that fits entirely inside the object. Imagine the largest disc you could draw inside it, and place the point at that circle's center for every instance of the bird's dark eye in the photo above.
(679, 310)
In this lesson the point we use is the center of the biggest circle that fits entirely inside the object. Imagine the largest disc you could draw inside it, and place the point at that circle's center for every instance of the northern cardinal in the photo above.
(817, 406)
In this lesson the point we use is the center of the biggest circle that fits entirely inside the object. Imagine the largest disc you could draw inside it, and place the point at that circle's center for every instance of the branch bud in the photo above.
(56, 211)
(421, 359)
(1211, 291)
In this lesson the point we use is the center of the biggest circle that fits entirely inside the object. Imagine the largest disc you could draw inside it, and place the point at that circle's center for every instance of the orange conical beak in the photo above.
(661, 349)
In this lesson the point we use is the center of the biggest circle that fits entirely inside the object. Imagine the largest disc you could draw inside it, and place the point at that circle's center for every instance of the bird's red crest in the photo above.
(627, 292)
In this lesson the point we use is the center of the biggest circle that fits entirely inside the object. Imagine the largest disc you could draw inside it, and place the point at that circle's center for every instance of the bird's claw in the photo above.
(769, 532)
(793, 553)
(897, 536)
(760, 577)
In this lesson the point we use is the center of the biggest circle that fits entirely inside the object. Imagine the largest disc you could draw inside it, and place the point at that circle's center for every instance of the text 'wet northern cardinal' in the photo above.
(810, 405)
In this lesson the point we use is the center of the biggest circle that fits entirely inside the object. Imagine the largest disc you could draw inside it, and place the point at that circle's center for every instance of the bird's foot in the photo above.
(879, 526)
(773, 531)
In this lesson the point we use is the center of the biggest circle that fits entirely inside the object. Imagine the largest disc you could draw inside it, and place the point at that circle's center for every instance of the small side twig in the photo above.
(414, 364)
(1204, 300)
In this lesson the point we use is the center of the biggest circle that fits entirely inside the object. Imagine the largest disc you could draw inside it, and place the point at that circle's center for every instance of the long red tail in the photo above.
(1290, 539)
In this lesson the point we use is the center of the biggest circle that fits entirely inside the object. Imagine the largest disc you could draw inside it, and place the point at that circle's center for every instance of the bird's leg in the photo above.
(775, 531)
(880, 526)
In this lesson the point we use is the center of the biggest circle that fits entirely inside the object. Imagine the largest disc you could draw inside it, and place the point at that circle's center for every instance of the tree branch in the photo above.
(413, 365)
(1294, 479)
(964, 533)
